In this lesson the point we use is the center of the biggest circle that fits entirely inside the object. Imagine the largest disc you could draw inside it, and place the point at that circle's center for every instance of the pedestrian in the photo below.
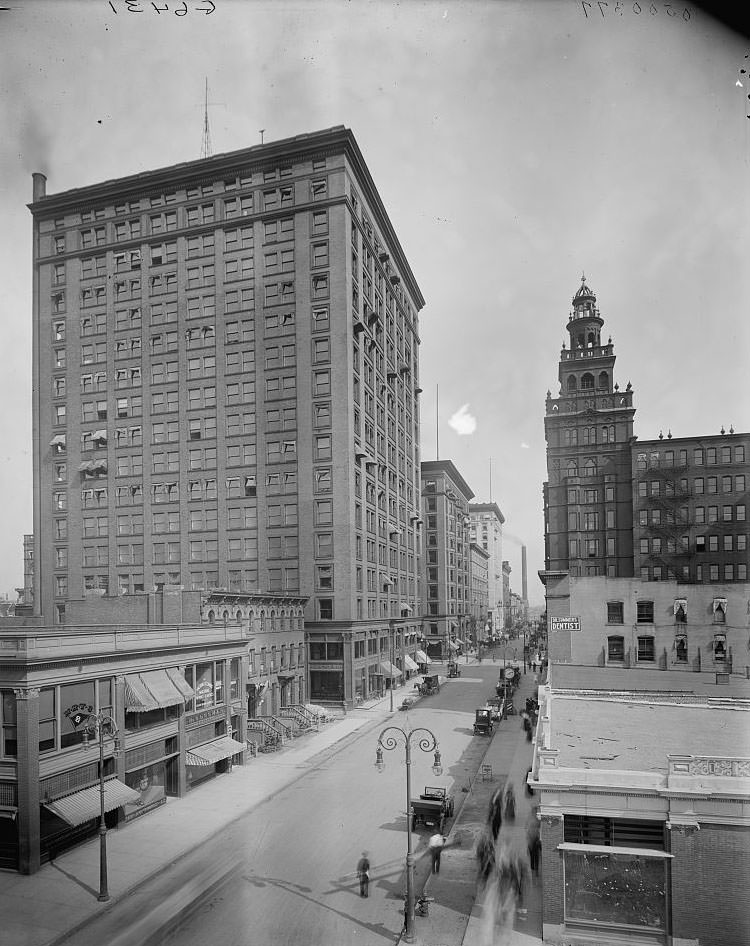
(528, 789)
(495, 817)
(485, 854)
(363, 872)
(535, 851)
(436, 845)
(509, 804)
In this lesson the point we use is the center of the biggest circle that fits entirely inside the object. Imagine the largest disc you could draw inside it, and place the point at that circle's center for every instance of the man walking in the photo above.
(436, 845)
(363, 872)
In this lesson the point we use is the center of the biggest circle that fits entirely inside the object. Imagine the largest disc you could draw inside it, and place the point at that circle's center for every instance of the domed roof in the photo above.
(583, 291)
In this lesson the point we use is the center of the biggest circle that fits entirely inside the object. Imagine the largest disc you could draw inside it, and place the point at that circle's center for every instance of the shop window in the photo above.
(646, 649)
(615, 648)
(720, 647)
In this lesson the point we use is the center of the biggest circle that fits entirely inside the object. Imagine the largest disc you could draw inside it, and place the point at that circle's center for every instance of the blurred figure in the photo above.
(509, 804)
(485, 855)
(495, 817)
(363, 873)
(533, 843)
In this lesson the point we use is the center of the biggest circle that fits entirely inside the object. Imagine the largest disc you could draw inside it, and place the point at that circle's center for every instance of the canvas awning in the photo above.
(211, 752)
(460, 643)
(409, 663)
(57, 441)
(422, 657)
(453, 645)
(99, 435)
(155, 689)
(86, 805)
(405, 607)
(389, 670)
(720, 604)
(680, 603)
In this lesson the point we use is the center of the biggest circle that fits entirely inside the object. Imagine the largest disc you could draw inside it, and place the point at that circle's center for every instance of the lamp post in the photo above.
(389, 739)
(100, 725)
(392, 643)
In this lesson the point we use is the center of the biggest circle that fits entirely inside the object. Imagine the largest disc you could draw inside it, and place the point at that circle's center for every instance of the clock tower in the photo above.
(588, 503)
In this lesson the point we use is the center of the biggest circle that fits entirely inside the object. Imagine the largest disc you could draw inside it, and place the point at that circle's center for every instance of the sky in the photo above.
(515, 146)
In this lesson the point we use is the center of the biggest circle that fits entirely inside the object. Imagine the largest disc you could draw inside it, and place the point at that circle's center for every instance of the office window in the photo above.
(645, 612)
(615, 612)
(615, 648)
(646, 649)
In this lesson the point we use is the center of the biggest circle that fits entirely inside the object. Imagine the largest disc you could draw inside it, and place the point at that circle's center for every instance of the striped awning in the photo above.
(409, 663)
(86, 805)
(389, 669)
(211, 752)
(155, 689)
(422, 657)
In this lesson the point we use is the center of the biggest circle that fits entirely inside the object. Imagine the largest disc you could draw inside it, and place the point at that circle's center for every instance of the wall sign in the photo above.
(565, 624)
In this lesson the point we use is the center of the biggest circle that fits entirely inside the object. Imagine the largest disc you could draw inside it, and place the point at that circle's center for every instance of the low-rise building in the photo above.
(629, 623)
(173, 692)
(643, 788)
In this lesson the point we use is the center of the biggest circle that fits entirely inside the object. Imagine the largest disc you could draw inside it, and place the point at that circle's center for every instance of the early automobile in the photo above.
(432, 808)
(483, 725)
(408, 702)
(454, 670)
(430, 684)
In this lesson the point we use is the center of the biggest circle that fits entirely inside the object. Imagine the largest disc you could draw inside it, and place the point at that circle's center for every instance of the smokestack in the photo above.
(524, 588)
(39, 185)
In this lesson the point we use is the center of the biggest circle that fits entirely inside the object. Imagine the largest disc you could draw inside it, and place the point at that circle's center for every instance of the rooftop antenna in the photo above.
(437, 421)
(261, 131)
(206, 143)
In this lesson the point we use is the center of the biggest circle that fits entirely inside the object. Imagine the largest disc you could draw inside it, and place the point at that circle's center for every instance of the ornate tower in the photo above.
(588, 504)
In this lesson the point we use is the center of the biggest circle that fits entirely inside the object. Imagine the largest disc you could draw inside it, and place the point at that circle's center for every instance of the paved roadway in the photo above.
(295, 882)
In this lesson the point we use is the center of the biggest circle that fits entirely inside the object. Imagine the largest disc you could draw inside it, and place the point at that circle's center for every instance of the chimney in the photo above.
(39, 185)
(524, 587)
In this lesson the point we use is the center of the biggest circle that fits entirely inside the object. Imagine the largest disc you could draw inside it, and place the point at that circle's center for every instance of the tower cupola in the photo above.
(585, 323)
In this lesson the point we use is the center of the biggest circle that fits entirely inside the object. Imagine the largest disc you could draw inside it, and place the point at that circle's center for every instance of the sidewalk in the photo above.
(455, 917)
(60, 899)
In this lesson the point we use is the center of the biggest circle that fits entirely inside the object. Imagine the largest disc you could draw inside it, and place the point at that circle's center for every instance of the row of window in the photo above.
(715, 572)
(709, 456)
(646, 649)
(258, 201)
(645, 611)
(701, 485)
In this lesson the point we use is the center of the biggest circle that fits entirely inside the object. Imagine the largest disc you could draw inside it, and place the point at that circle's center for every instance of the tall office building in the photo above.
(487, 531)
(588, 510)
(447, 598)
(225, 352)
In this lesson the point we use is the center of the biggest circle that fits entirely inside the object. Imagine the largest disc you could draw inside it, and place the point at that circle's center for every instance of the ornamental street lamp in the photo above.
(389, 739)
(100, 725)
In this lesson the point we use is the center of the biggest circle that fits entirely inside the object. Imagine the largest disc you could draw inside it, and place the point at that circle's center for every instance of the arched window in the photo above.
(211, 617)
(572, 468)
(238, 615)
(589, 467)
(603, 381)
(572, 384)
(589, 435)
(587, 382)
(226, 616)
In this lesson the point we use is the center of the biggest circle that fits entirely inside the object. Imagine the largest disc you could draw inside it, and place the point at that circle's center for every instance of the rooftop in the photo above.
(647, 682)
(611, 733)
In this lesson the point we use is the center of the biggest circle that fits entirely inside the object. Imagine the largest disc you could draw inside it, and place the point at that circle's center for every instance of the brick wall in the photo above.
(710, 893)
(551, 834)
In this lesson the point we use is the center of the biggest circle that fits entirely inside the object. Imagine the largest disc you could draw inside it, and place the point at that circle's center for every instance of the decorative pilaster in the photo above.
(27, 821)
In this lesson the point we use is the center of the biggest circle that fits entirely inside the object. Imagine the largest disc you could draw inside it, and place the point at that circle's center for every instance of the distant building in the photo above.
(614, 506)
(479, 568)
(643, 790)
(690, 497)
(445, 515)
(486, 524)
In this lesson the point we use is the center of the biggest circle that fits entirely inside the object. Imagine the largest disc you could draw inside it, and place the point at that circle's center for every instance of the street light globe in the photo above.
(437, 768)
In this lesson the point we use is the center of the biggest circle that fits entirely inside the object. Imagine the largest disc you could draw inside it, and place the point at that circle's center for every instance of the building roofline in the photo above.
(667, 441)
(447, 466)
(338, 138)
(487, 507)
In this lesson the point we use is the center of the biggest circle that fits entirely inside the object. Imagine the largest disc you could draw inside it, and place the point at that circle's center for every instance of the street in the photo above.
(296, 881)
